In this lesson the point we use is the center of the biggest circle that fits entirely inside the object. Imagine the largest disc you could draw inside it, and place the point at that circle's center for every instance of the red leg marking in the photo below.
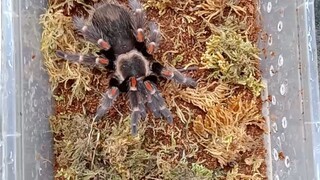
(167, 73)
(151, 47)
(104, 44)
(103, 61)
(133, 84)
(112, 92)
(140, 35)
(149, 87)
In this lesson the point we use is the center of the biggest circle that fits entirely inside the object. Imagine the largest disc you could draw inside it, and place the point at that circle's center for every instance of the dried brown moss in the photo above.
(223, 130)
(58, 33)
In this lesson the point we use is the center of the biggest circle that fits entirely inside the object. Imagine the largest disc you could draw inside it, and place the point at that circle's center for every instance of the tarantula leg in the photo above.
(146, 97)
(90, 33)
(154, 37)
(172, 73)
(104, 44)
(156, 103)
(139, 19)
(142, 99)
(151, 103)
(84, 59)
(106, 102)
(136, 103)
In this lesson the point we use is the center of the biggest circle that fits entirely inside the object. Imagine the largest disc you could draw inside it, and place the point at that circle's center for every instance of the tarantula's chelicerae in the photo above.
(126, 49)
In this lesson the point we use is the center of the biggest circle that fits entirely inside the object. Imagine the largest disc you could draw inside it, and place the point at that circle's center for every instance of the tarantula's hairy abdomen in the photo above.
(115, 23)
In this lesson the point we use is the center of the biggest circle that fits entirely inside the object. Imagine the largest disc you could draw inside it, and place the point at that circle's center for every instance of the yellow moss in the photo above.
(223, 129)
(214, 9)
(255, 162)
(234, 174)
(207, 96)
(161, 5)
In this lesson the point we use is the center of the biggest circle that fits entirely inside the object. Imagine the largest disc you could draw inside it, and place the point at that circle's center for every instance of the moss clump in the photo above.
(161, 5)
(207, 96)
(184, 171)
(233, 59)
(201, 172)
(223, 130)
(87, 150)
(235, 173)
(218, 9)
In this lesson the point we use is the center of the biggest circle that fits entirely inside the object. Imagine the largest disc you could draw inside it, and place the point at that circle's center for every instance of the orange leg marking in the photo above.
(151, 48)
(103, 61)
(133, 83)
(167, 73)
(148, 86)
(104, 44)
(112, 92)
(140, 35)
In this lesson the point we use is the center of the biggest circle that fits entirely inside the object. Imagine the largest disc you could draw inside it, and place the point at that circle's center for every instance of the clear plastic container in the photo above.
(292, 82)
(290, 75)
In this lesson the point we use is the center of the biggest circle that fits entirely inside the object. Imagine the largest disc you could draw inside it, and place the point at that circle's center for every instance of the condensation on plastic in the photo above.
(25, 100)
(291, 77)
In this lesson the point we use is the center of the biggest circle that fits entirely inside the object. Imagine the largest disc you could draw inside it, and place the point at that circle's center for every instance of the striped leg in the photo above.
(136, 103)
(172, 73)
(154, 38)
(142, 99)
(108, 98)
(139, 19)
(156, 103)
(90, 33)
(84, 59)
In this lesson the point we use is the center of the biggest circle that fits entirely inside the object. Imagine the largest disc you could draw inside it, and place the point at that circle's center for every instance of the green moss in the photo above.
(201, 171)
(233, 59)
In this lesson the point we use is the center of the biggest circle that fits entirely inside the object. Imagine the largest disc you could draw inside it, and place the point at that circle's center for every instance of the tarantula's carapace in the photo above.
(127, 48)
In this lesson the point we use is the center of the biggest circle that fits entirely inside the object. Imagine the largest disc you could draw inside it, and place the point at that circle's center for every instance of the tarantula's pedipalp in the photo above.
(139, 19)
(84, 59)
(91, 33)
(108, 98)
(172, 73)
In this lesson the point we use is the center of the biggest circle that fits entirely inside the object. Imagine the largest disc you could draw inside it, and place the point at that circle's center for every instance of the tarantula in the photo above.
(126, 49)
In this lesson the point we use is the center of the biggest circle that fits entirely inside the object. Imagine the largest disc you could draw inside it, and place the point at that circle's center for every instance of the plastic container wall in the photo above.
(291, 76)
(289, 70)
(25, 104)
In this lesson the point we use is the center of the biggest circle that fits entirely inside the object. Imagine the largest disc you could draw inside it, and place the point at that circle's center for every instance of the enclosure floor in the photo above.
(106, 149)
